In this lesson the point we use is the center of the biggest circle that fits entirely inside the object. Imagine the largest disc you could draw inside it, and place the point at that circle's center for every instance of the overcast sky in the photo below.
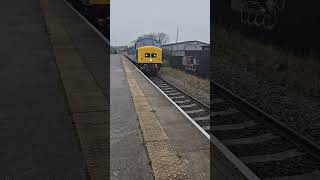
(132, 18)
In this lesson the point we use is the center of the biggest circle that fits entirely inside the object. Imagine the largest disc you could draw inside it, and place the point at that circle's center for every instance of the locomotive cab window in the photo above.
(153, 55)
(147, 55)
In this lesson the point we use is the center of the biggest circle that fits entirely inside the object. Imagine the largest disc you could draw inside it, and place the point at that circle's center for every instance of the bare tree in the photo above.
(163, 38)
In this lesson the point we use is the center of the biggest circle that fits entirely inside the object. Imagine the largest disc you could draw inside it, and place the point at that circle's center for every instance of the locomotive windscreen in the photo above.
(147, 42)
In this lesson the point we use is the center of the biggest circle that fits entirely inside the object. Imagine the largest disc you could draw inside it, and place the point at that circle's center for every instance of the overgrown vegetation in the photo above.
(165, 60)
(190, 80)
(299, 74)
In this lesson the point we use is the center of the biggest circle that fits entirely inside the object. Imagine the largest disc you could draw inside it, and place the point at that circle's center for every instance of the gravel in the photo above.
(289, 167)
(297, 111)
(196, 93)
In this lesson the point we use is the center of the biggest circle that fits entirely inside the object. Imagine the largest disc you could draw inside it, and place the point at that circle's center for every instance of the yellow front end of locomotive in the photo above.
(150, 54)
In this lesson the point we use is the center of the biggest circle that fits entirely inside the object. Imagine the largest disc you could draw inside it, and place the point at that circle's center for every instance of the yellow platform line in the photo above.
(165, 162)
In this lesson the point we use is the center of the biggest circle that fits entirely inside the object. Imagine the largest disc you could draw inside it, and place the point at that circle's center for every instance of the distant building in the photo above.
(206, 48)
(179, 49)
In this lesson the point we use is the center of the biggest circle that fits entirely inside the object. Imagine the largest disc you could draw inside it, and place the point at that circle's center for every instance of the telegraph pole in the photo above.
(177, 34)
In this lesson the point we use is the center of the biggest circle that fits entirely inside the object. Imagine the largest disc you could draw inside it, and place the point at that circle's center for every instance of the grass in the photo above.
(301, 74)
(191, 80)
(165, 63)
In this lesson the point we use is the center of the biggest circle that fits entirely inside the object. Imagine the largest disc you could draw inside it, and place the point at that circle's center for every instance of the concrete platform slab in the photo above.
(88, 104)
(128, 156)
(128, 160)
(197, 168)
(38, 141)
(168, 115)
(157, 102)
(224, 165)
(183, 140)
(187, 145)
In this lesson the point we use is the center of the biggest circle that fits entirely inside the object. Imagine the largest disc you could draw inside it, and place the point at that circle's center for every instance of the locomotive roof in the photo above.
(141, 38)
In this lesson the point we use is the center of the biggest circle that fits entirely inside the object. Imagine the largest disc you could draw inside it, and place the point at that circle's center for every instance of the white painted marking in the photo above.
(229, 155)
(184, 113)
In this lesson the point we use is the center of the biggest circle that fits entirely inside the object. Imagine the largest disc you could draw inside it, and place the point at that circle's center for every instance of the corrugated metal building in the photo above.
(178, 49)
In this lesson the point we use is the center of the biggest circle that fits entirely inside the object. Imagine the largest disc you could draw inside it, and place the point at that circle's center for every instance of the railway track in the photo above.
(266, 146)
(198, 111)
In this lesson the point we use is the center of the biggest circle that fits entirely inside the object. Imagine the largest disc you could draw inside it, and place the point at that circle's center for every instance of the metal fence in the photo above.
(193, 62)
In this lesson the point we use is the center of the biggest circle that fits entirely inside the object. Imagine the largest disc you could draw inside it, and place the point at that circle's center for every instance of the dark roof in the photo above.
(185, 42)
(146, 37)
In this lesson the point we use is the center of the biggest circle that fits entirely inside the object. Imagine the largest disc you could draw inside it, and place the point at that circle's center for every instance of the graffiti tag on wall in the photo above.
(190, 63)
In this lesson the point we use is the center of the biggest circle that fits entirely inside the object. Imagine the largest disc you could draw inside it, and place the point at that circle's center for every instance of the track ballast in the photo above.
(266, 146)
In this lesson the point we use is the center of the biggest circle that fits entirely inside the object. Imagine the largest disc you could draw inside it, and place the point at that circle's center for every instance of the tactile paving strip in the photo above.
(155, 133)
(143, 105)
(148, 120)
(169, 167)
(164, 161)
(158, 149)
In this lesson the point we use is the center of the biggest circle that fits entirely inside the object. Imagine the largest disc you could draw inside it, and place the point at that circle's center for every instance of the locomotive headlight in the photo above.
(153, 55)
(150, 60)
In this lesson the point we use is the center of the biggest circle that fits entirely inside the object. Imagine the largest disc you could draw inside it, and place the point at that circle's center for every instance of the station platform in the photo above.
(55, 107)
(173, 146)
(54, 94)
(128, 157)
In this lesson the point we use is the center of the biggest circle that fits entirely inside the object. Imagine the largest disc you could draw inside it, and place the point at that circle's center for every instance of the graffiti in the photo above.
(262, 13)
(190, 63)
